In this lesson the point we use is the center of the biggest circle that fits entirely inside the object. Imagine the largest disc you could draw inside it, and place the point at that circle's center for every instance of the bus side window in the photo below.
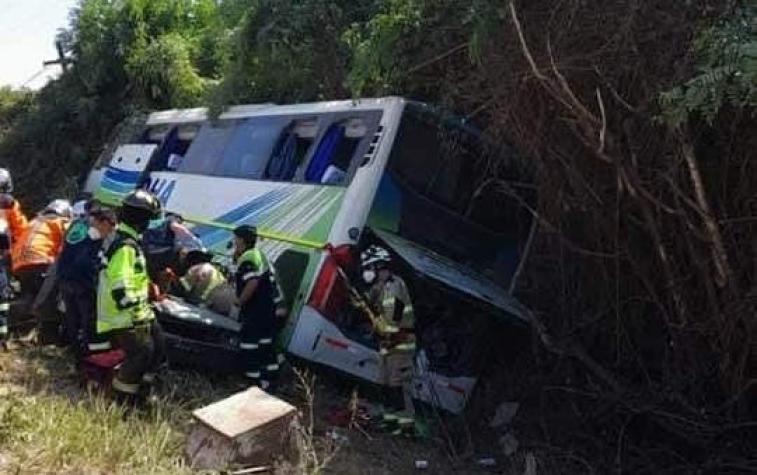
(207, 148)
(174, 143)
(332, 160)
(250, 147)
(291, 148)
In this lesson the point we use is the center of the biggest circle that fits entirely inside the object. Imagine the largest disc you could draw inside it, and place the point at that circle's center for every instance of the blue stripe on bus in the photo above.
(116, 187)
(248, 213)
(122, 176)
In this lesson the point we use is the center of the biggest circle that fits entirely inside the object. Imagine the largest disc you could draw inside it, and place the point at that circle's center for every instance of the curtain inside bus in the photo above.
(325, 153)
(283, 164)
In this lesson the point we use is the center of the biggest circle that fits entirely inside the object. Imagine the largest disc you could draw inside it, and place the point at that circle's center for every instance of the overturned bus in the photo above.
(321, 182)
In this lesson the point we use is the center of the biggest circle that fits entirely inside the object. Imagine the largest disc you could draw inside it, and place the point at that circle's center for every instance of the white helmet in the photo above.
(79, 209)
(375, 255)
(6, 183)
(61, 208)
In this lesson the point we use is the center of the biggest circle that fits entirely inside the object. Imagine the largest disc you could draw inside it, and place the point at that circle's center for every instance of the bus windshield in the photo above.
(456, 194)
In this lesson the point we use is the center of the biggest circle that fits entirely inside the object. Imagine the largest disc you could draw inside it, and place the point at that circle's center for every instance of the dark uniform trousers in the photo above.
(6, 293)
(144, 346)
(261, 365)
(79, 300)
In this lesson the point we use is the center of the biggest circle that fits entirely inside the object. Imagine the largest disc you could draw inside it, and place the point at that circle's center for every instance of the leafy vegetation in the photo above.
(290, 51)
(636, 116)
(726, 71)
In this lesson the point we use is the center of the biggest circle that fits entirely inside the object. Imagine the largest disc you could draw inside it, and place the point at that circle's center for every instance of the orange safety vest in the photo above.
(40, 244)
(14, 222)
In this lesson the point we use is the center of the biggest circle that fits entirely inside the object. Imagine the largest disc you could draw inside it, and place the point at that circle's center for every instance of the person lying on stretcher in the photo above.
(204, 283)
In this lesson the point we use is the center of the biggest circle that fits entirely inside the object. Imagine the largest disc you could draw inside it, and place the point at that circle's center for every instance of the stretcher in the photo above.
(198, 337)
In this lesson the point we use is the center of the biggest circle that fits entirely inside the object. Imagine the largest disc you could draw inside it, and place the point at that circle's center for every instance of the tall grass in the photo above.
(53, 434)
(49, 425)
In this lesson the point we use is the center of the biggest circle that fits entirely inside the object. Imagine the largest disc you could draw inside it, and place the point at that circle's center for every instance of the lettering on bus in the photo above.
(162, 188)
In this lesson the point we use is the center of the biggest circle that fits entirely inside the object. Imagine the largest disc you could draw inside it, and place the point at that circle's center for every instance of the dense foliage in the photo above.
(638, 118)
(726, 71)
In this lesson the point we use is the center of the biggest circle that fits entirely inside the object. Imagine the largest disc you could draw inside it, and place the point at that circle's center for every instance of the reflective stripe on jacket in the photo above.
(253, 265)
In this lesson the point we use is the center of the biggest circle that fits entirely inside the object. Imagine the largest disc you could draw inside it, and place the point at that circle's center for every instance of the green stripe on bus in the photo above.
(261, 232)
(112, 200)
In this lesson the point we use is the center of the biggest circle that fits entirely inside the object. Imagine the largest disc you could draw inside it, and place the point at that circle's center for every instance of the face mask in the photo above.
(94, 233)
(369, 276)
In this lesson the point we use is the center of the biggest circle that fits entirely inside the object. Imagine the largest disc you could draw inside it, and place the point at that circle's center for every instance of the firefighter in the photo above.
(257, 313)
(12, 225)
(387, 291)
(124, 315)
(77, 271)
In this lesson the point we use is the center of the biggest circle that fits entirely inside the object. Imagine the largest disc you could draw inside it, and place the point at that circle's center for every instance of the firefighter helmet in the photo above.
(375, 255)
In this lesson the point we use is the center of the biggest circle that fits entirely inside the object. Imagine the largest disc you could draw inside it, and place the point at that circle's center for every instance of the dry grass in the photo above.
(50, 425)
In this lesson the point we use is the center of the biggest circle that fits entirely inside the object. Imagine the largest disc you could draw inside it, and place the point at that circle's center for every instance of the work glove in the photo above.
(6, 201)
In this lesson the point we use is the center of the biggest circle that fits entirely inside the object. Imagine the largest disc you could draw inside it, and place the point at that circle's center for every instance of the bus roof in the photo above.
(184, 116)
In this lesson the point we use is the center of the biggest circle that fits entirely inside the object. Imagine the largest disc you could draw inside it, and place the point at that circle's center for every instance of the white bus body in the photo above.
(315, 179)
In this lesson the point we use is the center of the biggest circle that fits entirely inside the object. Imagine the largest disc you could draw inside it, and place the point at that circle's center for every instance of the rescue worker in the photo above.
(12, 225)
(32, 257)
(40, 245)
(77, 272)
(124, 315)
(164, 243)
(257, 313)
(387, 291)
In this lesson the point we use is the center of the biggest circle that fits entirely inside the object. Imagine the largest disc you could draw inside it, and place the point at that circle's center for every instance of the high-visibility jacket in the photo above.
(257, 260)
(40, 244)
(13, 223)
(123, 286)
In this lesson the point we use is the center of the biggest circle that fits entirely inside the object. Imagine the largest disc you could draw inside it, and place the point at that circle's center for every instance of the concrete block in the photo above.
(251, 428)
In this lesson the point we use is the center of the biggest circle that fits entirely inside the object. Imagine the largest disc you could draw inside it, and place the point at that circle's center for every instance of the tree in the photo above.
(726, 72)
(290, 51)
(127, 56)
